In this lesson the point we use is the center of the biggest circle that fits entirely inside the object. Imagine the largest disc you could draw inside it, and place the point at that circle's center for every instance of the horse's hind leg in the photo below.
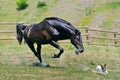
(54, 44)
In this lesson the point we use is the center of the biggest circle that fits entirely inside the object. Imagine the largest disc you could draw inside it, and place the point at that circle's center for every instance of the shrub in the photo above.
(41, 4)
(21, 4)
(86, 20)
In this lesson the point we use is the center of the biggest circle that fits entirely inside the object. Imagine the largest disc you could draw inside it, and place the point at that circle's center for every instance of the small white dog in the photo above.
(102, 69)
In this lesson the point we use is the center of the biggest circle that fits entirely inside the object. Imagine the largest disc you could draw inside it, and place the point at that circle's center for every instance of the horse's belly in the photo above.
(41, 41)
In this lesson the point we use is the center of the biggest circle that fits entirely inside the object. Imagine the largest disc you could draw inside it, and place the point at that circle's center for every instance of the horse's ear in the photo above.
(17, 27)
(77, 32)
(20, 26)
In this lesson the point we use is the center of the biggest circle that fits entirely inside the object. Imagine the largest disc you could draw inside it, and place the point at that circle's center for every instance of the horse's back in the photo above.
(58, 19)
(59, 22)
(44, 30)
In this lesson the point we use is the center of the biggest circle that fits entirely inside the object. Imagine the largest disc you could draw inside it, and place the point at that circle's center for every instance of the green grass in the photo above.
(76, 14)
(108, 10)
(51, 73)
(86, 20)
(9, 12)
(16, 62)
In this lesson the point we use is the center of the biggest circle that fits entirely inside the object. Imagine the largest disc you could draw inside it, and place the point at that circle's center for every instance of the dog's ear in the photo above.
(102, 67)
(105, 66)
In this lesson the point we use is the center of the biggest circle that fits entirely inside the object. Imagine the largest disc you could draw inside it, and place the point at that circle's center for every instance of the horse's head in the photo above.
(19, 28)
(76, 40)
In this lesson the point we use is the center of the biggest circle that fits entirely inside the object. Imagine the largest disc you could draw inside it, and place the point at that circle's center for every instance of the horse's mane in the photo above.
(58, 19)
(63, 21)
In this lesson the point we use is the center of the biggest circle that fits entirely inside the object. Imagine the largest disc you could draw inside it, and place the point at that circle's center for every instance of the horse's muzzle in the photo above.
(79, 51)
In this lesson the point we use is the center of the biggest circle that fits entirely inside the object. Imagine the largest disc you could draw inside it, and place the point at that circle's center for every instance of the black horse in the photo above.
(49, 31)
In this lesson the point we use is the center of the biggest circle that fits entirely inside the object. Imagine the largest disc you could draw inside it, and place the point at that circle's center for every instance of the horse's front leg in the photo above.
(36, 53)
(54, 44)
(31, 46)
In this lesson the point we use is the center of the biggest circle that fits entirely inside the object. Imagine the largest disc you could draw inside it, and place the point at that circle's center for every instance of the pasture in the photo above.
(16, 62)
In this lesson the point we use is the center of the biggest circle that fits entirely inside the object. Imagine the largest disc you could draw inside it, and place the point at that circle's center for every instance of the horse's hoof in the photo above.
(47, 65)
(42, 64)
(55, 56)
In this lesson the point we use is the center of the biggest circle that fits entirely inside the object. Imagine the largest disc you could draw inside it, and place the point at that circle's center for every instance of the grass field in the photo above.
(93, 13)
(16, 63)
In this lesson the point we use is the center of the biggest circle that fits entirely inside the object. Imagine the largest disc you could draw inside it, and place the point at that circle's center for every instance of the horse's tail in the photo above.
(19, 29)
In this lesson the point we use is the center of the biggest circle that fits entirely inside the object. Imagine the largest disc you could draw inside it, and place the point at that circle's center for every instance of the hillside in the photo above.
(18, 62)
(94, 13)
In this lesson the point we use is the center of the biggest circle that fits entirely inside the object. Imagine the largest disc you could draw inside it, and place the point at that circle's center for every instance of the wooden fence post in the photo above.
(87, 36)
(115, 37)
